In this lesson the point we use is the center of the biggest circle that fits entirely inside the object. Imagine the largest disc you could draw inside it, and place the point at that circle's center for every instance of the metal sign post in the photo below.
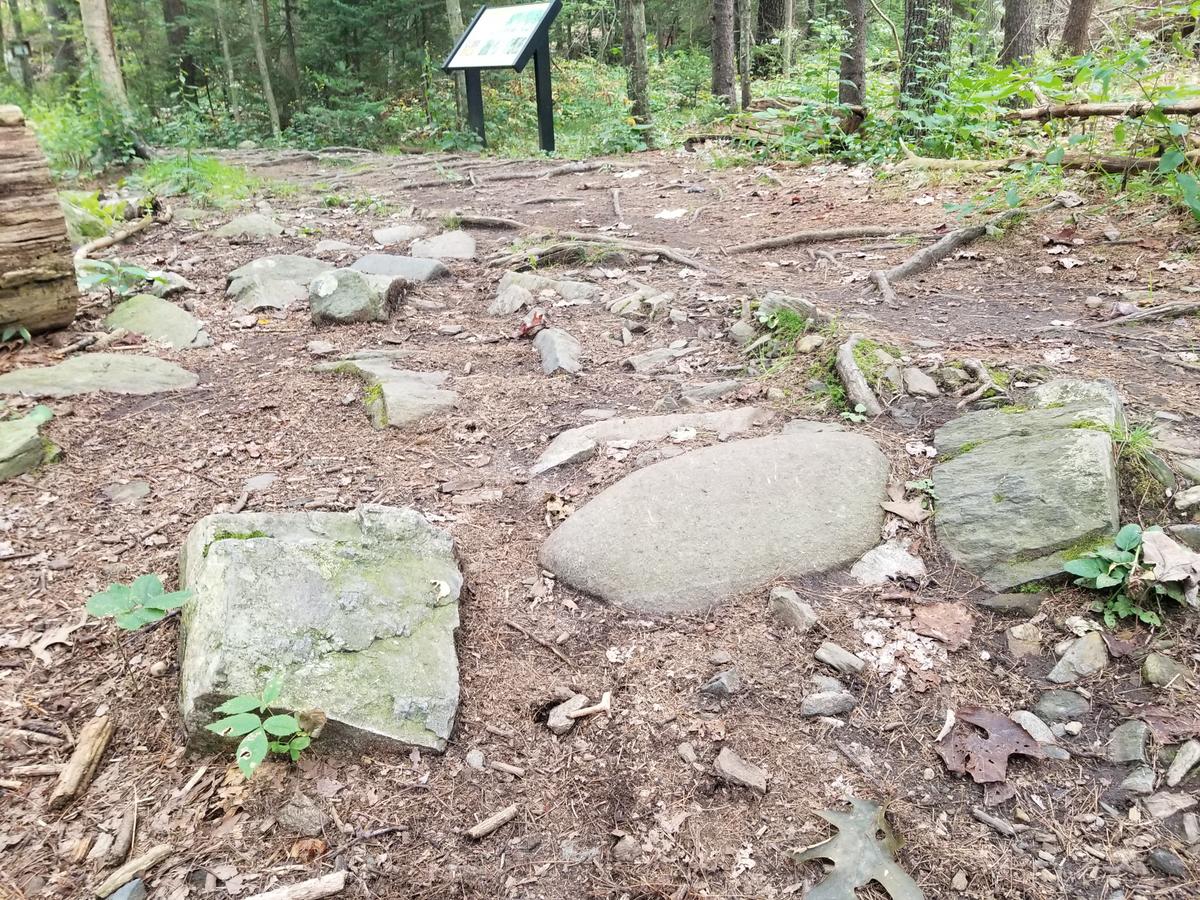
(508, 37)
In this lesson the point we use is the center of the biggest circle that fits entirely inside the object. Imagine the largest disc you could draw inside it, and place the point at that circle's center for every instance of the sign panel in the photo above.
(499, 36)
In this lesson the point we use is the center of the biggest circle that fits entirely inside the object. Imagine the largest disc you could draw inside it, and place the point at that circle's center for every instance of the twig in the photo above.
(822, 235)
(858, 390)
(123, 234)
(997, 824)
(515, 771)
(537, 640)
(313, 889)
(533, 201)
(37, 769)
(491, 823)
(31, 737)
(134, 868)
(123, 840)
(81, 767)
(475, 221)
(986, 383)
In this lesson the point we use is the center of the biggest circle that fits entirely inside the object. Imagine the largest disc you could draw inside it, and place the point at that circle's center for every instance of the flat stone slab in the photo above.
(581, 443)
(447, 245)
(255, 225)
(682, 535)
(354, 611)
(396, 398)
(535, 284)
(273, 282)
(90, 373)
(398, 234)
(1025, 491)
(406, 267)
(22, 449)
(159, 320)
(559, 351)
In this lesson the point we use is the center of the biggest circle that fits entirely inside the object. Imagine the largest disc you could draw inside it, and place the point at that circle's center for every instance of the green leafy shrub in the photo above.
(1129, 584)
(117, 277)
(207, 181)
(137, 604)
(248, 716)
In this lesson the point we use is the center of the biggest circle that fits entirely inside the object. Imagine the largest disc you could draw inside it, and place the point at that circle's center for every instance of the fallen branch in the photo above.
(986, 382)
(1190, 107)
(1155, 313)
(133, 869)
(1083, 162)
(533, 201)
(821, 236)
(665, 252)
(567, 169)
(81, 767)
(537, 640)
(858, 390)
(313, 889)
(474, 221)
(491, 823)
(123, 234)
(123, 840)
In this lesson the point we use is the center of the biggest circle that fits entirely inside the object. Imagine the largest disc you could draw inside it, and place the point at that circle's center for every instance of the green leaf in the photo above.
(1012, 196)
(173, 600)
(252, 751)
(1129, 537)
(1085, 567)
(1112, 554)
(1170, 161)
(281, 725)
(1055, 156)
(300, 742)
(117, 598)
(244, 703)
(235, 725)
(271, 692)
(146, 587)
(1189, 189)
(1104, 580)
(136, 618)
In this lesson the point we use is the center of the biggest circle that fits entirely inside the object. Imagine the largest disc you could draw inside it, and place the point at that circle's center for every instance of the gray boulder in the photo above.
(406, 267)
(159, 320)
(273, 282)
(355, 612)
(344, 296)
(684, 534)
(395, 398)
(90, 373)
(22, 449)
(254, 225)
(448, 245)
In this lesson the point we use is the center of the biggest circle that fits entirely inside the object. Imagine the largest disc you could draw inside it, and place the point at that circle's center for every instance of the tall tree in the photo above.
(787, 37)
(289, 64)
(1077, 30)
(771, 18)
(264, 70)
(1020, 31)
(97, 32)
(454, 18)
(722, 52)
(925, 66)
(231, 84)
(852, 70)
(58, 21)
(178, 31)
(745, 35)
(23, 64)
(633, 24)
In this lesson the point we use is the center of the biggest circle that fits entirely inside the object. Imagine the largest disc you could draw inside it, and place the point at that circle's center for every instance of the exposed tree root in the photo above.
(858, 390)
(820, 236)
(1155, 313)
(986, 383)
(1084, 162)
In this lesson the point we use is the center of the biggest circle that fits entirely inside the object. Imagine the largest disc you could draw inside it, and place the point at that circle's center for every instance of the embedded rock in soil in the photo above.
(395, 397)
(398, 234)
(732, 768)
(167, 283)
(22, 449)
(448, 245)
(786, 608)
(581, 443)
(511, 299)
(560, 720)
(1014, 604)
(657, 359)
(723, 685)
(1162, 671)
(344, 296)
(273, 282)
(535, 284)
(1084, 658)
(699, 394)
(355, 612)
(89, 373)
(254, 225)
(827, 703)
(559, 351)
(918, 384)
(684, 534)
(1188, 535)
(159, 320)
(887, 562)
(1023, 492)
(406, 267)
(1128, 742)
(839, 658)
(1061, 706)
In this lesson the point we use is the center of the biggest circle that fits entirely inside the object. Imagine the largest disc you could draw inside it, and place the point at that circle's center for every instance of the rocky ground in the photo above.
(707, 580)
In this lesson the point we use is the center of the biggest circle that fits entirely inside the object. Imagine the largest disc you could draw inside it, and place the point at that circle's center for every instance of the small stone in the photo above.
(1164, 804)
(406, 267)
(826, 684)
(1085, 657)
(627, 849)
(511, 299)
(398, 234)
(723, 685)
(346, 296)
(1188, 535)
(1016, 604)
(1185, 759)
(254, 225)
(133, 890)
(560, 352)
(130, 492)
(828, 703)
(658, 359)
(1061, 706)
(448, 245)
(1024, 640)
(320, 348)
(959, 881)
(687, 752)
(474, 759)
(1185, 500)
(678, 316)
(1140, 781)
(810, 342)
(840, 658)
(720, 657)
(1164, 672)
(327, 246)
(742, 333)
(786, 608)
(1037, 729)
(450, 330)
(159, 669)
(1191, 828)
(1168, 863)
(951, 378)
(302, 814)
(732, 768)
(1128, 742)
(887, 562)
(1072, 728)
(558, 721)
(918, 384)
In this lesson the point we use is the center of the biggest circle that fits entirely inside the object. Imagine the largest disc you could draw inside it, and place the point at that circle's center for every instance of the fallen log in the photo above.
(313, 889)
(820, 236)
(858, 390)
(1081, 162)
(81, 767)
(1132, 109)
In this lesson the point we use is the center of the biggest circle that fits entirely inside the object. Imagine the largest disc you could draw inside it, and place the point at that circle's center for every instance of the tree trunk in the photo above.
(97, 31)
(1076, 32)
(454, 18)
(772, 16)
(788, 38)
(66, 60)
(264, 71)
(722, 52)
(852, 71)
(235, 106)
(925, 65)
(805, 19)
(289, 63)
(175, 20)
(1020, 31)
(745, 36)
(985, 24)
(23, 63)
(37, 274)
(637, 68)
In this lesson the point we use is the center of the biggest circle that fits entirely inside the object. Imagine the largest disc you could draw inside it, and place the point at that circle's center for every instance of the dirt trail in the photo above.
(396, 822)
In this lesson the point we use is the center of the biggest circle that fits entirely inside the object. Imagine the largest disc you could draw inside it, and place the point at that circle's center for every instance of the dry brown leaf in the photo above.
(307, 849)
(60, 635)
(909, 510)
(950, 623)
(984, 756)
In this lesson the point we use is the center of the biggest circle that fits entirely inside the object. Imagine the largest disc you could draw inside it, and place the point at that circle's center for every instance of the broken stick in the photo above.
(133, 869)
(313, 889)
(616, 201)
(858, 390)
(1155, 313)
(821, 236)
(81, 767)
(491, 823)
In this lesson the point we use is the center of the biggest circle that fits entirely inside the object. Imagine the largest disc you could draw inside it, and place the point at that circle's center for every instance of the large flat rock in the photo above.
(407, 267)
(396, 398)
(159, 320)
(273, 282)
(1027, 490)
(22, 448)
(89, 373)
(355, 612)
(687, 533)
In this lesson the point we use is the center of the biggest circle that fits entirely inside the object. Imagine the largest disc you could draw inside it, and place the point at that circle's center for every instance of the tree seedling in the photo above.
(1130, 583)
(248, 716)
(137, 604)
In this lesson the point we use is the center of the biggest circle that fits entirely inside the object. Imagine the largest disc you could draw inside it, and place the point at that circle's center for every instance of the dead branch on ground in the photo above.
(122, 234)
(1155, 313)
(858, 390)
(822, 235)
(81, 767)
(1082, 162)
(985, 379)
(313, 889)
(1190, 107)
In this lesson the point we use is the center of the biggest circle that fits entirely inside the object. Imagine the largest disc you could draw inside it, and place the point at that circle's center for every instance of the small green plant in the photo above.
(14, 331)
(857, 415)
(1130, 586)
(137, 604)
(924, 485)
(248, 716)
(119, 278)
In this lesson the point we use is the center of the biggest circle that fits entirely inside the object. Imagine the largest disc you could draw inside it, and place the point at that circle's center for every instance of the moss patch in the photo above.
(234, 536)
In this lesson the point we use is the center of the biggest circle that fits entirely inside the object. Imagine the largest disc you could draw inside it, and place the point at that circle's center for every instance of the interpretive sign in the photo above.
(507, 37)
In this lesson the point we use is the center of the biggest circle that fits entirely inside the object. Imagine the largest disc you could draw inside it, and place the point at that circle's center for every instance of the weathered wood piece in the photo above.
(313, 889)
(133, 869)
(81, 767)
(37, 276)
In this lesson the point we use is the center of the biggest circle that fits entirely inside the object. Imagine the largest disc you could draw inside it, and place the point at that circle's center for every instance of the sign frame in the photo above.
(537, 48)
